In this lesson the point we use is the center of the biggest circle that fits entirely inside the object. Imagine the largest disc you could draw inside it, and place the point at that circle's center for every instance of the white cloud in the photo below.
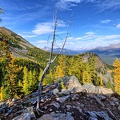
(70, 38)
(105, 21)
(67, 4)
(90, 33)
(102, 5)
(43, 28)
(61, 23)
(83, 42)
(108, 4)
(47, 27)
(28, 36)
(76, 1)
(92, 40)
(118, 25)
(41, 42)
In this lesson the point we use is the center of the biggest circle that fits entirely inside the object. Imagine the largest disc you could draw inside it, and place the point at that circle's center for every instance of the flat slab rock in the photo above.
(59, 116)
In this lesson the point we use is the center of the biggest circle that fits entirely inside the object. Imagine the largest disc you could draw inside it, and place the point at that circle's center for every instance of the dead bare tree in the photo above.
(51, 59)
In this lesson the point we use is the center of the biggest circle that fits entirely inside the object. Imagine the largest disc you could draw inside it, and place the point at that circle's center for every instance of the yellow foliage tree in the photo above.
(61, 69)
(116, 72)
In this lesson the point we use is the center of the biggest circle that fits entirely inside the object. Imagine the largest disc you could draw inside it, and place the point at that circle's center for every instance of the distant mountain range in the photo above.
(108, 53)
(66, 51)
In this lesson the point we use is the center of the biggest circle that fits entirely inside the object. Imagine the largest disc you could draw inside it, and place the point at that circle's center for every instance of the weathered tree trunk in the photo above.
(51, 59)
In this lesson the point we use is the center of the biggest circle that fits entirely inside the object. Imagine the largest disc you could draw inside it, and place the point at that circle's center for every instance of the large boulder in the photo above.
(24, 116)
(3, 107)
(102, 115)
(27, 114)
(106, 91)
(58, 116)
(90, 88)
(107, 77)
(72, 83)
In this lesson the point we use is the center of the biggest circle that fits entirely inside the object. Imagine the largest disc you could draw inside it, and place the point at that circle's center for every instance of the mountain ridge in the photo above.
(107, 54)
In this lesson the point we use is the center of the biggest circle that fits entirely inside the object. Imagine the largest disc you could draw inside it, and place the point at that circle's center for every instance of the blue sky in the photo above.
(94, 23)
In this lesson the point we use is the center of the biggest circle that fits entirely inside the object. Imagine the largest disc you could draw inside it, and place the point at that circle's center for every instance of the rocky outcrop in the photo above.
(58, 116)
(72, 84)
(57, 104)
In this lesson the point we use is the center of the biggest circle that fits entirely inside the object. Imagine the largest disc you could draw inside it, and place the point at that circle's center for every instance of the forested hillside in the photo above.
(21, 65)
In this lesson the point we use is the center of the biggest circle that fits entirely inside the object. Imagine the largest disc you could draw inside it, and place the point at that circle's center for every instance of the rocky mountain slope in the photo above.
(74, 102)
(20, 47)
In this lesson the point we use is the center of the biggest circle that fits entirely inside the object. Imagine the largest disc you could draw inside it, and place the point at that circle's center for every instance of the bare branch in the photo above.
(58, 36)
(54, 34)
(67, 33)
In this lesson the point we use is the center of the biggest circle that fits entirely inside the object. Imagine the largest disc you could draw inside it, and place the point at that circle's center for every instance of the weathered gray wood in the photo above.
(51, 59)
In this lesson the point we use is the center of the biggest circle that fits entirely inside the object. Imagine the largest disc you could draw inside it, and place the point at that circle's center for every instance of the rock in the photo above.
(71, 82)
(9, 111)
(34, 94)
(24, 116)
(94, 115)
(2, 110)
(58, 116)
(63, 99)
(90, 87)
(114, 99)
(77, 89)
(56, 104)
(82, 105)
(103, 115)
(31, 111)
(14, 99)
(110, 113)
(68, 107)
(105, 91)
(27, 114)
(31, 100)
(107, 77)
(117, 103)
(75, 97)
(119, 107)
(3, 105)
(101, 97)
(64, 92)
(55, 91)
(112, 103)
(98, 100)
(78, 108)
(92, 118)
